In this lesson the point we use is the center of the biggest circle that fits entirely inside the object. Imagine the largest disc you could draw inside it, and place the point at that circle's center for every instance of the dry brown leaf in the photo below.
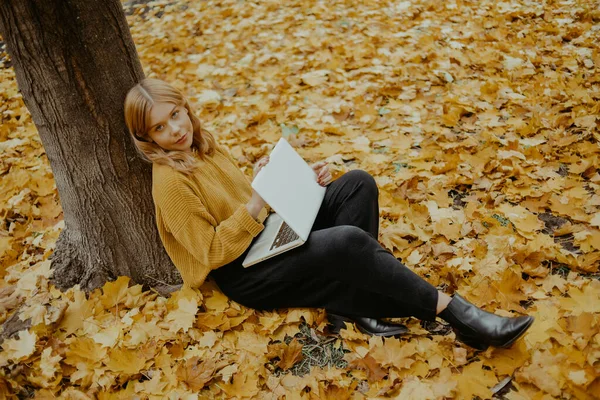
(475, 381)
(196, 373)
(334, 392)
(292, 353)
(374, 372)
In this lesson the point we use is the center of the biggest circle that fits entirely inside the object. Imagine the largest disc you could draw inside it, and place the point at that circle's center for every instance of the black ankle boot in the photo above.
(480, 329)
(370, 326)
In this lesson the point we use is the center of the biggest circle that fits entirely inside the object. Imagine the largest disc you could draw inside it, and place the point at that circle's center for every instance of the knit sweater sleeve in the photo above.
(213, 245)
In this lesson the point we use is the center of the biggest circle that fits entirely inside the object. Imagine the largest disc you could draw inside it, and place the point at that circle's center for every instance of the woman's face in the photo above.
(171, 127)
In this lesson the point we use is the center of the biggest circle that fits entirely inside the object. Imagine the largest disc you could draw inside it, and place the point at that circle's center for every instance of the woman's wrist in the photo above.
(253, 209)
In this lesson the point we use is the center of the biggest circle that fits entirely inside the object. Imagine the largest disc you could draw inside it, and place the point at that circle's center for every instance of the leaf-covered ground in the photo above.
(480, 122)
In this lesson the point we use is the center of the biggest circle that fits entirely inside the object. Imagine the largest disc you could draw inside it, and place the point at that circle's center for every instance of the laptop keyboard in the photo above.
(284, 236)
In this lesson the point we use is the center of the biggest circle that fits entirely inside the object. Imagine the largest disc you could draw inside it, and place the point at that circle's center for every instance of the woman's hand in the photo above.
(324, 177)
(256, 203)
(259, 165)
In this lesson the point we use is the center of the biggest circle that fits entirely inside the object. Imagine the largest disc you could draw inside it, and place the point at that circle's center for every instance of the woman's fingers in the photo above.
(325, 179)
(318, 167)
(260, 164)
(263, 161)
(321, 175)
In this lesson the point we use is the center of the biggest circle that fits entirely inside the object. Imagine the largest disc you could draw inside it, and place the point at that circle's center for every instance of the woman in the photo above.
(207, 216)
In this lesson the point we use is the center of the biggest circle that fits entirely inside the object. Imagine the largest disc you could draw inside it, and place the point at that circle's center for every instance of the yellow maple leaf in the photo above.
(580, 301)
(506, 361)
(84, 349)
(227, 372)
(443, 385)
(315, 78)
(217, 302)
(84, 375)
(585, 324)
(28, 282)
(508, 291)
(48, 362)
(270, 321)
(115, 292)
(209, 339)
(141, 331)
(298, 314)
(547, 314)
(252, 342)
(374, 371)
(414, 388)
(333, 391)
(55, 311)
(126, 361)
(196, 374)
(77, 312)
(184, 316)
(395, 352)
(35, 311)
(526, 222)
(475, 381)
(545, 372)
(108, 337)
(21, 347)
(595, 220)
(213, 321)
(245, 384)
(292, 353)
(155, 386)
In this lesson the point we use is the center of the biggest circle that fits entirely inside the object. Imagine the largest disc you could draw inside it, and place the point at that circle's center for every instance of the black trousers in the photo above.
(342, 267)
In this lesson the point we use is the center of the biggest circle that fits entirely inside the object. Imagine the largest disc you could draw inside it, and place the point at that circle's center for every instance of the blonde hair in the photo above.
(139, 102)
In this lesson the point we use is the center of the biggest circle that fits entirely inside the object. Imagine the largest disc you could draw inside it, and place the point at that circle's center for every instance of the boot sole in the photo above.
(399, 331)
(338, 325)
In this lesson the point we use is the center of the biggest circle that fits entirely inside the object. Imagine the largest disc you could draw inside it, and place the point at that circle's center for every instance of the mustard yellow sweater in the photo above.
(202, 218)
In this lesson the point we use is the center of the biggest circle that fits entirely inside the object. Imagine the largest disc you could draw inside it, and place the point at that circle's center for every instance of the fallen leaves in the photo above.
(371, 366)
(292, 353)
(474, 380)
(582, 300)
(126, 361)
(195, 373)
(21, 347)
(479, 123)
(394, 352)
(183, 317)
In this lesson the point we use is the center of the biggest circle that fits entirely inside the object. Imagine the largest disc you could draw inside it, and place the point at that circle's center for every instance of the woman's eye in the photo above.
(175, 114)
(159, 128)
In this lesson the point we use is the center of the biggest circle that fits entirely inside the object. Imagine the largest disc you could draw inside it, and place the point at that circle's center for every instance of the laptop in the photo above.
(289, 186)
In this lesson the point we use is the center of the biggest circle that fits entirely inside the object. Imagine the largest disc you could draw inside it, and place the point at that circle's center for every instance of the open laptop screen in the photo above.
(289, 185)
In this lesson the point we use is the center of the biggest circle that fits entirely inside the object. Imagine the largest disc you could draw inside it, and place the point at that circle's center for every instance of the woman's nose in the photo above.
(174, 127)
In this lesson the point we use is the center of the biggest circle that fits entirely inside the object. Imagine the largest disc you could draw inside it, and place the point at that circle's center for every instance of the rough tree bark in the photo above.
(74, 62)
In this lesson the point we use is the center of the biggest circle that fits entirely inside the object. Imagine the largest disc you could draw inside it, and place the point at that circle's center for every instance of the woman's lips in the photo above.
(181, 139)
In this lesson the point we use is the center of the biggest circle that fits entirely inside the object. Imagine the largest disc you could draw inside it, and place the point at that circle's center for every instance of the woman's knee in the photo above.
(364, 179)
(350, 239)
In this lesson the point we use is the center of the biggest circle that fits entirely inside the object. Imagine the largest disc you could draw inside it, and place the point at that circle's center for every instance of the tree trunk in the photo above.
(74, 61)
